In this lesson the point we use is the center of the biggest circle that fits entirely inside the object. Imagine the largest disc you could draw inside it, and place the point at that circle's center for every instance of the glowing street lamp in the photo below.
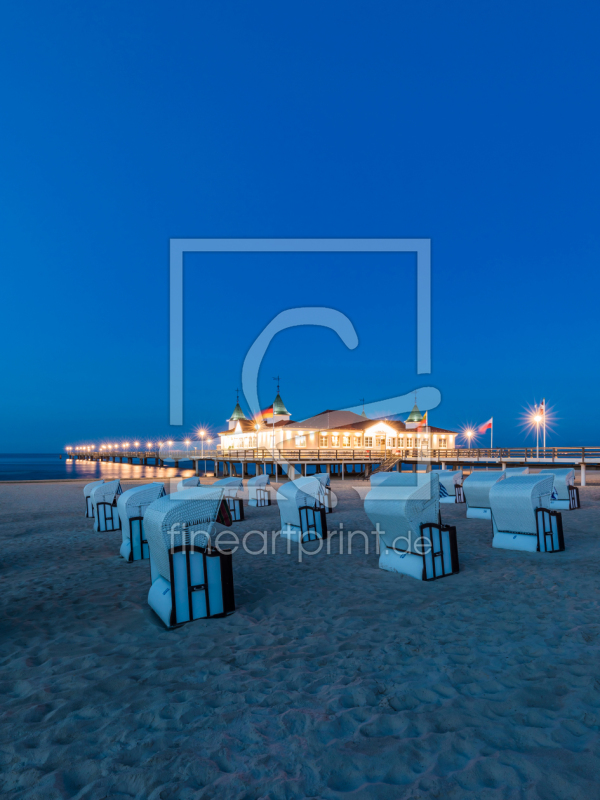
(469, 434)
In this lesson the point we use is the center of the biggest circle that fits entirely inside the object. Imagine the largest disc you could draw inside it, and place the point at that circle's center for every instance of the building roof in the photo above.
(279, 408)
(396, 424)
(237, 413)
(330, 419)
(415, 415)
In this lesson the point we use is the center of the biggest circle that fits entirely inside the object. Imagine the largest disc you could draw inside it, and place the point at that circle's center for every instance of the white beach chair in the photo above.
(411, 539)
(565, 494)
(259, 493)
(131, 506)
(233, 493)
(189, 579)
(521, 515)
(476, 488)
(188, 483)
(104, 506)
(451, 490)
(87, 493)
(510, 471)
(301, 510)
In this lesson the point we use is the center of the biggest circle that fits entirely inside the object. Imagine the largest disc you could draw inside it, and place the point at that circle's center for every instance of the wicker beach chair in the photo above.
(189, 579)
(302, 513)
(188, 483)
(104, 505)
(87, 493)
(258, 491)
(565, 495)
(451, 482)
(521, 515)
(131, 506)
(412, 541)
(233, 494)
(476, 488)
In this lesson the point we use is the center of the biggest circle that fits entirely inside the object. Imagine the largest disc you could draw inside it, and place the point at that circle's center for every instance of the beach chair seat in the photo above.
(104, 505)
(190, 579)
(476, 488)
(412, 541)
(451, 486)
(132, 505)
(188, 483)
(521, 515)
(303, 516)
(233, 494)
(259, 494)
(565, 495)
(87, 493)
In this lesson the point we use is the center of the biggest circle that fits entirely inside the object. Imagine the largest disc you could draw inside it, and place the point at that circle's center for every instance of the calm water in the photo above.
(48, 466)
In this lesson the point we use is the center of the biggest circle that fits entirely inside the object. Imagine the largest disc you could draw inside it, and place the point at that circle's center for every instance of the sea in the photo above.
(55, 466)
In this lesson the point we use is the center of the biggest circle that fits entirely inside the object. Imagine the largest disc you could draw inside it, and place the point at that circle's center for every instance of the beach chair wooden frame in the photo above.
(441, 559)
(574, 498)
(203, 584)
(263, 497)
(460, 495)
(313, 523)
(108, 518)
(236, 508)
(549, 531)
(136, 540)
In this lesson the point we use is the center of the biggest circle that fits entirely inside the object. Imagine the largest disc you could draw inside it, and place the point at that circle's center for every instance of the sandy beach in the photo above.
(333, 679)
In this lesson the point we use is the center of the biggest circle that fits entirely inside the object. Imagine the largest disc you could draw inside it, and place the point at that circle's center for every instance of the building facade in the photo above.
(331, 430)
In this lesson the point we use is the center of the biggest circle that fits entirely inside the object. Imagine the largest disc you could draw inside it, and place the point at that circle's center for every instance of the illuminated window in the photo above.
(368, 441)
(346, 440)
(357, 441)
(335, 440)
(409, 442)
(380, 440)
(442, 442)
(322, 441)
(391, 442)
(300, 441)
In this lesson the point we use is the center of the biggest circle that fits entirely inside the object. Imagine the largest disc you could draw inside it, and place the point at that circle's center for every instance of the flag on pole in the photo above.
(267, 413)
(423, 423)
(486, 425)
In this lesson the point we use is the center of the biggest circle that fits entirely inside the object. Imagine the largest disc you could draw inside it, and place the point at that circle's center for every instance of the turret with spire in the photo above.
(415, 416)
(237, 412)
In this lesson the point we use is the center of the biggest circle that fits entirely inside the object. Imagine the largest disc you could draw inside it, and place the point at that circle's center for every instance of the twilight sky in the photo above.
(124, 125)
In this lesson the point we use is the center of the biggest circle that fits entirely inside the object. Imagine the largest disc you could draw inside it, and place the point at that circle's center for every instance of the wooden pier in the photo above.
(348, 462)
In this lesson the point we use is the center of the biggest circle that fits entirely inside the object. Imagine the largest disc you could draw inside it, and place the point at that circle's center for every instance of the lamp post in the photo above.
(469, 434)
(537, 419)
(202, 435)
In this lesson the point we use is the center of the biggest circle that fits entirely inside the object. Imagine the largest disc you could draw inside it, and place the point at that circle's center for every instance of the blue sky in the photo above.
(124, 126)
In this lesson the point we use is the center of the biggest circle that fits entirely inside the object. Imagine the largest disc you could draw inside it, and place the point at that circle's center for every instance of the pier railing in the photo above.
(563, 455)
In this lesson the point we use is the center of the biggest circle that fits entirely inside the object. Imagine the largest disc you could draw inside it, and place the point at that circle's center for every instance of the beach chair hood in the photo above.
(188, 483)
(449, 479)
(477, 487)
(563, 478)
(514, 501)
(400, 509)
(181, 518)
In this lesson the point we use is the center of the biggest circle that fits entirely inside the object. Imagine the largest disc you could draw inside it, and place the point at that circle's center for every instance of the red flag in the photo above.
(486, 425)
(423, 422)
(267, 413)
